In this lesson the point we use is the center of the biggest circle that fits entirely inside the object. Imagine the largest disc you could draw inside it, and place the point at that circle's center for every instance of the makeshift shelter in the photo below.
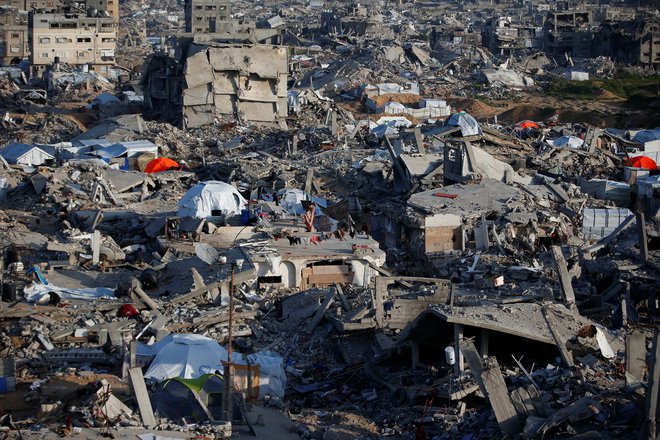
(291, 201)
(161, 164)
(23, 154)
(642, 162)
(566, 141)
(646, 136)
(179, 398)
(525, 125)
(211, 198)
(469, 125)
(192, 356)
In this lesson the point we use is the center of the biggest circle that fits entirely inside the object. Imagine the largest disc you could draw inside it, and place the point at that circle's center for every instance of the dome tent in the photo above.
(206, 197)
(191, 356)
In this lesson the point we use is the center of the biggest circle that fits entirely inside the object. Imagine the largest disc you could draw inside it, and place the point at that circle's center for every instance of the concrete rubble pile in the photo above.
(331, 220)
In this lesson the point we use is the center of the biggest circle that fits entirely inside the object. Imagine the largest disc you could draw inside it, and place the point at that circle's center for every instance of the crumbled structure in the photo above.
(13, 35)
(248, 82)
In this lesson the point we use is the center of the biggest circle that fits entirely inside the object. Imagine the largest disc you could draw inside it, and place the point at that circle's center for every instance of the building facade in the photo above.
(207, 16)
(73, 39)
(13, 36)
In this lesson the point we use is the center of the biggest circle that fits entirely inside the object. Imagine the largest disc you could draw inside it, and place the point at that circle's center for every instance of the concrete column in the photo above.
(415, 354)
(459, 366)
(485, 336)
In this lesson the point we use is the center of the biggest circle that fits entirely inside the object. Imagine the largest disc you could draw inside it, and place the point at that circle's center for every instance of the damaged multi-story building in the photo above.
(207, 81)
(74, 39)
(569, 33)
(13, 35)
(633, 41)
(207, 16)
(503, 37)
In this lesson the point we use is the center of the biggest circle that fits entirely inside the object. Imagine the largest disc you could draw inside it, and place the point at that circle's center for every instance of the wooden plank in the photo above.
(320, 312)
(498, 396)
(564, 278)
(145, 298)
(493, 387)
(652, 393)
(559, 340)
(142, 396)
(342, 297)
(643, 240)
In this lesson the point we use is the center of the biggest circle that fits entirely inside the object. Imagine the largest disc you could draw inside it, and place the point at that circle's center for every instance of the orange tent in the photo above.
(642, 162)
(527, 124)
(161, 164)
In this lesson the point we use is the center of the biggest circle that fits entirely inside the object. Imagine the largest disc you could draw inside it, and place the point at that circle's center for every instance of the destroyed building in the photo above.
(407, 222)
(207, 16)
(13, 35)
(248, 82)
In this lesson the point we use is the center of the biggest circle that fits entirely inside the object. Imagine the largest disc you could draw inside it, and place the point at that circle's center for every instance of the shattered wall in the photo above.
(247, 82)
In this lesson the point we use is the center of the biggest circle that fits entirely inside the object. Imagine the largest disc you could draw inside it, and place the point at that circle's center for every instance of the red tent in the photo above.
(523, 125)
(161, 164)
(642, 162)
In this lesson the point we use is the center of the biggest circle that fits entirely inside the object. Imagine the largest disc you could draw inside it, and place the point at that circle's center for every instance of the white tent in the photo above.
(190, 356)
(469, 125)
(205, 197)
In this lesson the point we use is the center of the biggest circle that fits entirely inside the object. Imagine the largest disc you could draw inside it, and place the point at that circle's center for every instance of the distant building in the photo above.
(29, 5)
(569, 33)
(109, 6)
(74, 39)
(13, 36)
(207, 16)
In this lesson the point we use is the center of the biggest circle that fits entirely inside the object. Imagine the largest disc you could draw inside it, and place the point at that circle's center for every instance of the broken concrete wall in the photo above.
(247, 82)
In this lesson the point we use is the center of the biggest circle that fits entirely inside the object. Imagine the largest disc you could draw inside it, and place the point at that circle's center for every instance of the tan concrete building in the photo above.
(207, 16)
(73, 39)
(13, 35)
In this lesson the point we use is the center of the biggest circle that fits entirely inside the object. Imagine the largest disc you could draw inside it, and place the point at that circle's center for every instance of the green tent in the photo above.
(179, 398)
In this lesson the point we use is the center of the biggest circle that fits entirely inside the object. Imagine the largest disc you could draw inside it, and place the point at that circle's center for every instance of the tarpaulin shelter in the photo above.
(161, 164)
(566, 141)
(192, 356)
(642, 162)
(524, 125)
(469, 125)
(211, 198)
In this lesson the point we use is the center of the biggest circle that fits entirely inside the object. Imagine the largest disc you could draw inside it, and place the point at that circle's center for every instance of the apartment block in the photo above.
(207, 16)
(13, 35)
(74, 39)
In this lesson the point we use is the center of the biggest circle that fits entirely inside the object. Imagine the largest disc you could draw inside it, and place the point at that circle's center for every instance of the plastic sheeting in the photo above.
(566, 141)
(469, 125)
(205, 197)
(190, 356)
(36, 292)
(647, 135)
(291, 200)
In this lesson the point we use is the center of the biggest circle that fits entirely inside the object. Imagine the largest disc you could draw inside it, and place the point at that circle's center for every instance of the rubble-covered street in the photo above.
(329, 220)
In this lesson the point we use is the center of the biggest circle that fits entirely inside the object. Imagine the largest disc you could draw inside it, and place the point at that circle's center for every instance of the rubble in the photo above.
(332, 220)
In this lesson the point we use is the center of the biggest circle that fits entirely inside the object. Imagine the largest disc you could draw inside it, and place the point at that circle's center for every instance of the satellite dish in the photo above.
(206, 253)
